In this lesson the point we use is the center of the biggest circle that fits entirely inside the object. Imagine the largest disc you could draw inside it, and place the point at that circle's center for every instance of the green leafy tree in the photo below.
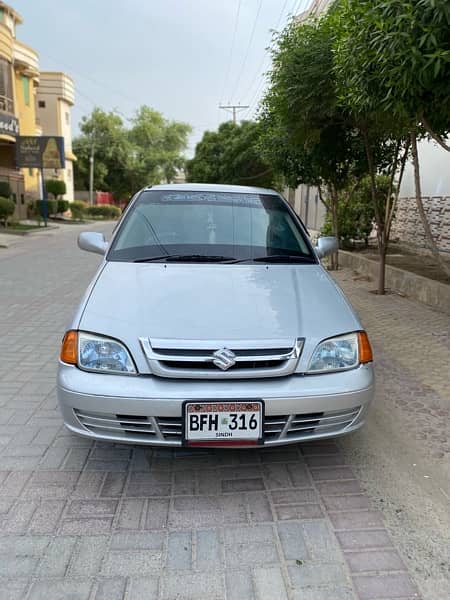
(231, 155)
(307, 137)
(158, 146)
(392, 61)
(128, 158)
(56, 187)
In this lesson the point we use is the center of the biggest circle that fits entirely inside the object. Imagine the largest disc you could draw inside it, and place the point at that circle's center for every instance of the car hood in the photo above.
(218, 303)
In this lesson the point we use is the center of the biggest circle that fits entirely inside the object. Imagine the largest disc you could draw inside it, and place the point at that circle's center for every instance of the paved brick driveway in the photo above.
(81, 520)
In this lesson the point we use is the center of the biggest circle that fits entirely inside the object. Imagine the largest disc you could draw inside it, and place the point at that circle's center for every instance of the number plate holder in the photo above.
(213, 429)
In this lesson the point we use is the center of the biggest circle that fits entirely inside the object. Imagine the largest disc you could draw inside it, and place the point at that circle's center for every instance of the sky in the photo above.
(182, 57)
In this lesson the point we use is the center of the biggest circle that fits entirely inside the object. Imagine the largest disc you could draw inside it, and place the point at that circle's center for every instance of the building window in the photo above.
(2, 15)
(22, 199)
(6, 94)
(67, 118)
(30, 172)
(26, 90)
(41, 103)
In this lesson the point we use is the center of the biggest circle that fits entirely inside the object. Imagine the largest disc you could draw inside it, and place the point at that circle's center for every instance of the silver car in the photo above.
(211, 322)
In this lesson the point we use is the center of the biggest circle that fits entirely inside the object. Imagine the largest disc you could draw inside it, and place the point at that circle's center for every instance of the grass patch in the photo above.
(18, 229)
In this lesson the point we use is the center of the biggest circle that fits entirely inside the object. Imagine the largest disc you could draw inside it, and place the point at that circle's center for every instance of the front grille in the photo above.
(209, 366)
(195, 359)
(168, 430)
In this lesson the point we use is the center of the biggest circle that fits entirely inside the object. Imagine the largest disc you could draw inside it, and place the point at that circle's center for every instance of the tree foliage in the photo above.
(392, 65)
(394, 57)
(56, 187)
(231, 155)
(127, 158)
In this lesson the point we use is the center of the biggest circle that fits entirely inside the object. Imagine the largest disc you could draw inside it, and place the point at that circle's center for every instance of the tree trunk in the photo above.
(335, 224)
(423, 217)
(379, 218)
(437, 138)
(382, 250)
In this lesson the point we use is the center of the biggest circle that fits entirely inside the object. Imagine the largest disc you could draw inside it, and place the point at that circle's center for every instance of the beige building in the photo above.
(55, 98)
(19, 77)
(32, 103)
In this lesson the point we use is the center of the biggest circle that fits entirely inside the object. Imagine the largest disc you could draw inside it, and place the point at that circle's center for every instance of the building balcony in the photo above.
(57, 84)
(26, 59)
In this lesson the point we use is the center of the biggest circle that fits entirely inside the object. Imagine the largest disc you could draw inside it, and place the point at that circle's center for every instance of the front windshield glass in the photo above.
(180, 224)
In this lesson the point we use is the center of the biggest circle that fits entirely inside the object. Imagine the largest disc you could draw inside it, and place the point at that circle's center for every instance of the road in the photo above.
(365, 517)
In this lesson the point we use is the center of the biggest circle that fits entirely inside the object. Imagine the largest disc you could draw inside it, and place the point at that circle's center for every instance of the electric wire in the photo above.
(295, 8)
(230, 57)
(244, 62)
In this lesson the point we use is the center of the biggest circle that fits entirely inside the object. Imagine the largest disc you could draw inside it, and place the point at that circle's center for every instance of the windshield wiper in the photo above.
(188, 258)
(283, 258)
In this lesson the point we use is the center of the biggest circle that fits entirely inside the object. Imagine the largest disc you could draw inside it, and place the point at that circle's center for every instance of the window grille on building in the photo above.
(6, 93)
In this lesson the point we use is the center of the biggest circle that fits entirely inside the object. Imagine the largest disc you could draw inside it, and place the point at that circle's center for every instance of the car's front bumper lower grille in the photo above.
(168, 430)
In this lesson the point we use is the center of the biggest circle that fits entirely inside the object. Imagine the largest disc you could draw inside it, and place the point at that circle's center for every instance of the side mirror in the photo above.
(326, 245)
(92, 242)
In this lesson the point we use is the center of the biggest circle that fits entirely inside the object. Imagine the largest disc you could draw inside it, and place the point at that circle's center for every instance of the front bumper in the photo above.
(139, 409)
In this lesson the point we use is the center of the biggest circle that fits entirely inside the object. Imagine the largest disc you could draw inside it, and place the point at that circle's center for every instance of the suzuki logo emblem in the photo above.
(224, 358)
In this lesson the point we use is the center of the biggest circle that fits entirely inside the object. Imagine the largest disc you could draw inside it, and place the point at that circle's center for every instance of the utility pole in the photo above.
(233, 108)
(91, 175)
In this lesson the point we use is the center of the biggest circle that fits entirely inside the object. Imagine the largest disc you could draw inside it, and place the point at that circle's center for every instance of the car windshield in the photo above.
(210, 226)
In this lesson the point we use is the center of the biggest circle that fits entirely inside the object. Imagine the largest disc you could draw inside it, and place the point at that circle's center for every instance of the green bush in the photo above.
(56, 187)
(5, 189)
(52, 206)
(62, 206)
(7, 208)
(104, 211)
(78, 209)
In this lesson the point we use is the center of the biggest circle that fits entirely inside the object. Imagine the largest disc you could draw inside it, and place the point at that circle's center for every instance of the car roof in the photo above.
(211, 187)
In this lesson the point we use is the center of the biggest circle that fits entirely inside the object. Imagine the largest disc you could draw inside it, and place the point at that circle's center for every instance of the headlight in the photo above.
(341, 353)
(96, 353)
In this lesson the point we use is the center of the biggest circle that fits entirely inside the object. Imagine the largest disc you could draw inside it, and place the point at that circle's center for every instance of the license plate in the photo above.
(223, 423)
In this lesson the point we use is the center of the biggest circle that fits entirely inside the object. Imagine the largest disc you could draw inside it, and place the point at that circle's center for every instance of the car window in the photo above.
(238, 225)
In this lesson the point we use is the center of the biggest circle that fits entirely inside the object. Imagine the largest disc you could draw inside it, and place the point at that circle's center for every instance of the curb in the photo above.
(428, 291)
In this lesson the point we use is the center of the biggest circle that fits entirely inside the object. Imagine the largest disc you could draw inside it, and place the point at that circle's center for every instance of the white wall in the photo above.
(435, 172)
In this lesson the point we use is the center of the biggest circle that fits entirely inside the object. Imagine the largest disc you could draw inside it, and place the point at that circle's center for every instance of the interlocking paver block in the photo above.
(373, 587)
(126, 564)
(130, 512)
(57, 557)
(188, 586)
(88, 555)
(142, 588)
(361, 519)
(320, 541)
(113, 589)
(292, 541)
(85, 526)
(269, 584)
(208, 550)
(144, 540)
(46, 516)
(179, 551)
(362, 540)
(381, 560)
(298, 511)
(239, 585)
(56, 590)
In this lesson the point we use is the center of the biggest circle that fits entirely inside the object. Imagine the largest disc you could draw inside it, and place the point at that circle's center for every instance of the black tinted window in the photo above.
(237, 225)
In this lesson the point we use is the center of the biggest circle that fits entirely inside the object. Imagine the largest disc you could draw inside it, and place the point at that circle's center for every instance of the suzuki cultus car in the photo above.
(211, 322)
